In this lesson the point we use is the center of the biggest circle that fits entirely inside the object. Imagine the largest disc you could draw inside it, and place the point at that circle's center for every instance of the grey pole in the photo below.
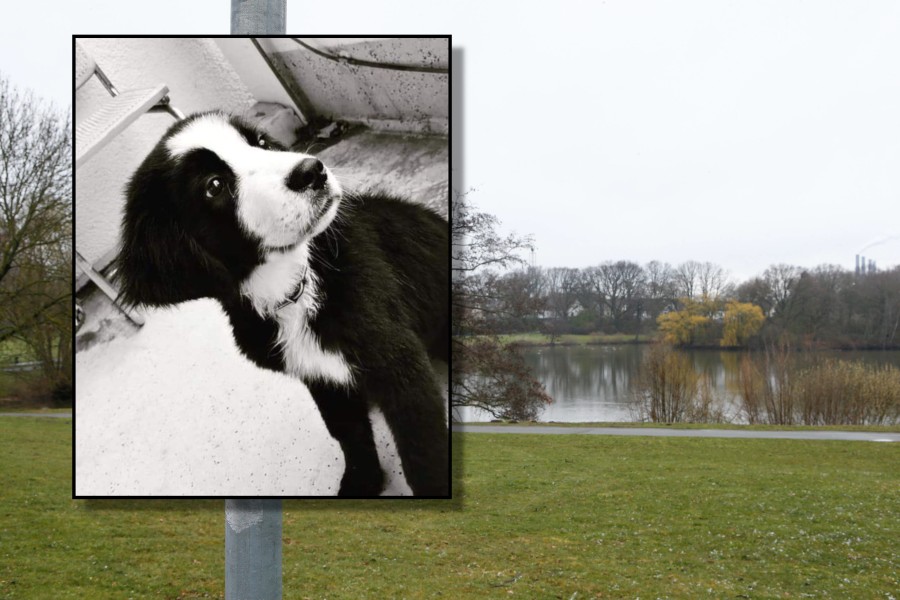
(253, 550)
(253, 17)
(253, 527)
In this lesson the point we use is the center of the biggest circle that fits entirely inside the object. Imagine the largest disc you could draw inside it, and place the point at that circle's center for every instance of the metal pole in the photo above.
(254, 17)
(253, 550)
(253, 527)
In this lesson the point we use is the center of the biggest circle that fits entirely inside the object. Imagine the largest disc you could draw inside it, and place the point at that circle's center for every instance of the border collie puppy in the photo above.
(349, 293)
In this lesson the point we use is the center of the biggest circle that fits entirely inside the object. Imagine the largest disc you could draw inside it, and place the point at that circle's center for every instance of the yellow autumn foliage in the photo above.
(741, 321)
(681, 327)
(698, 322)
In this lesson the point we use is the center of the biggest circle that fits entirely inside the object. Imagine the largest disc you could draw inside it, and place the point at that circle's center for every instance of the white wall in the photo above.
(199, 78)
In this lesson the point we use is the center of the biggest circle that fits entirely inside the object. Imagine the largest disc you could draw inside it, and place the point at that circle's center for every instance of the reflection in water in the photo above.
(585, 382)
(594, 383)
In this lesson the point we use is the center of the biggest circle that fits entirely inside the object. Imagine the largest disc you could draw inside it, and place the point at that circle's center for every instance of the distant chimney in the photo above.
(857, 265)
(862, 265)
(871, 266)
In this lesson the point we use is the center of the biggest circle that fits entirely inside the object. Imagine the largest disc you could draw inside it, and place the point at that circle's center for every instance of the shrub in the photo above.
(767, 393)
(493, 377)
(62, 394)
(839, 392)
(669, 389)
(30, 390)
(751, 384)
(828, 392)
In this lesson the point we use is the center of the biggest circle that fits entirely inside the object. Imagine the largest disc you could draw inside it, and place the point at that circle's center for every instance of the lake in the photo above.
(594, 383)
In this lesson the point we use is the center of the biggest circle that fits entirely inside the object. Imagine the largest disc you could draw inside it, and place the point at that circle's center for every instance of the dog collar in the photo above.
(295, 296)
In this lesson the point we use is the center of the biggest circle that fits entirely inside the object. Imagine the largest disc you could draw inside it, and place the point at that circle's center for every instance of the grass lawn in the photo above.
(535, 517)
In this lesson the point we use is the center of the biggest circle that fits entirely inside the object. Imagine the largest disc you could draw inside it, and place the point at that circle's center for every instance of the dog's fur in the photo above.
(219, 210)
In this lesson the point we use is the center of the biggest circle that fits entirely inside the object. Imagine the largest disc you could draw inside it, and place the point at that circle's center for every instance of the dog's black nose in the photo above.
(308, 173)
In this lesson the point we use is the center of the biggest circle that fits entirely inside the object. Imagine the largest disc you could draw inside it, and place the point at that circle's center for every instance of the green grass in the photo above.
(540, 339)
(649, 425)
(535, 517)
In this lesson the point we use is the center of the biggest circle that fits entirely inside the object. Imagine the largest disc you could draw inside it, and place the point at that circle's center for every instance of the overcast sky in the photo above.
(743, 133)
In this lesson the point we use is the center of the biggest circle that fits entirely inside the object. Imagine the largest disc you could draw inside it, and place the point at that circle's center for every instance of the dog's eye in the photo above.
(214, 187)
(261, 142)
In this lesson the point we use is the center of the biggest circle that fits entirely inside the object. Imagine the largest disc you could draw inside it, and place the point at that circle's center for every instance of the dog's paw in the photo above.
(361, 483)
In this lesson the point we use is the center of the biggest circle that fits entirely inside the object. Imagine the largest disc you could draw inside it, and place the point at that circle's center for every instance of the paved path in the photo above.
(37, 414)
(667, 432)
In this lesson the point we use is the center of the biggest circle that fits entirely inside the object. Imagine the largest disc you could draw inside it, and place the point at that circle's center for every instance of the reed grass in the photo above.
(827, 392)
(838, 392)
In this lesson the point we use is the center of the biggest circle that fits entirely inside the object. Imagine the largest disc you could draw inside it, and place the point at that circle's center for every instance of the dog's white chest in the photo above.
(304, 357)
(267, 287)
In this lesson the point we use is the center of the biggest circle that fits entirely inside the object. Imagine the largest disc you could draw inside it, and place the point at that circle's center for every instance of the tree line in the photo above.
(36, 242)
(694, 303)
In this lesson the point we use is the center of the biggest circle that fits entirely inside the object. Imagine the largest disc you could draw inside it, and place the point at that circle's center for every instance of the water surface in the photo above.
(594, 383)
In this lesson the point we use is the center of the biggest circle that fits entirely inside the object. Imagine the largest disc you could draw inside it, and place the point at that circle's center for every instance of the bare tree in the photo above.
(476, 243)
(561, 285)
(36, 230)
(695, 281)
(659, 289)
(781, 280)
(485, 373)
(521, 298)
(686, 280)
(713, 281)
(758, 292)
(617, 287)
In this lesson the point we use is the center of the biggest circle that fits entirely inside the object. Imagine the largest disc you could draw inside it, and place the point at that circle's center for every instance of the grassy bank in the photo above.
(591, 339)
(535, 517)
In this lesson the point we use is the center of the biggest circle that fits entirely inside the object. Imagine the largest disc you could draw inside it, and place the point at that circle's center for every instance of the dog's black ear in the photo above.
(160, 263)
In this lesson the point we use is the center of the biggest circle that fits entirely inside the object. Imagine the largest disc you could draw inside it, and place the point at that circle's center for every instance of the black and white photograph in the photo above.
(263, 246)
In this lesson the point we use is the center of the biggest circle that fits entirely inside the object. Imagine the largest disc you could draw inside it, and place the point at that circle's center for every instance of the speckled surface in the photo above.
(413, 166)
(174, 409)
(416, 101)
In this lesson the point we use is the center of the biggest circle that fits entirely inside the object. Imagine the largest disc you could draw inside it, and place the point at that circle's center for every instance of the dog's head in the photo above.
(213, 199)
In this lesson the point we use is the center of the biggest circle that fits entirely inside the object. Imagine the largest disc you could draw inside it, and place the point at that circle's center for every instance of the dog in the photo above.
(347, 292)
